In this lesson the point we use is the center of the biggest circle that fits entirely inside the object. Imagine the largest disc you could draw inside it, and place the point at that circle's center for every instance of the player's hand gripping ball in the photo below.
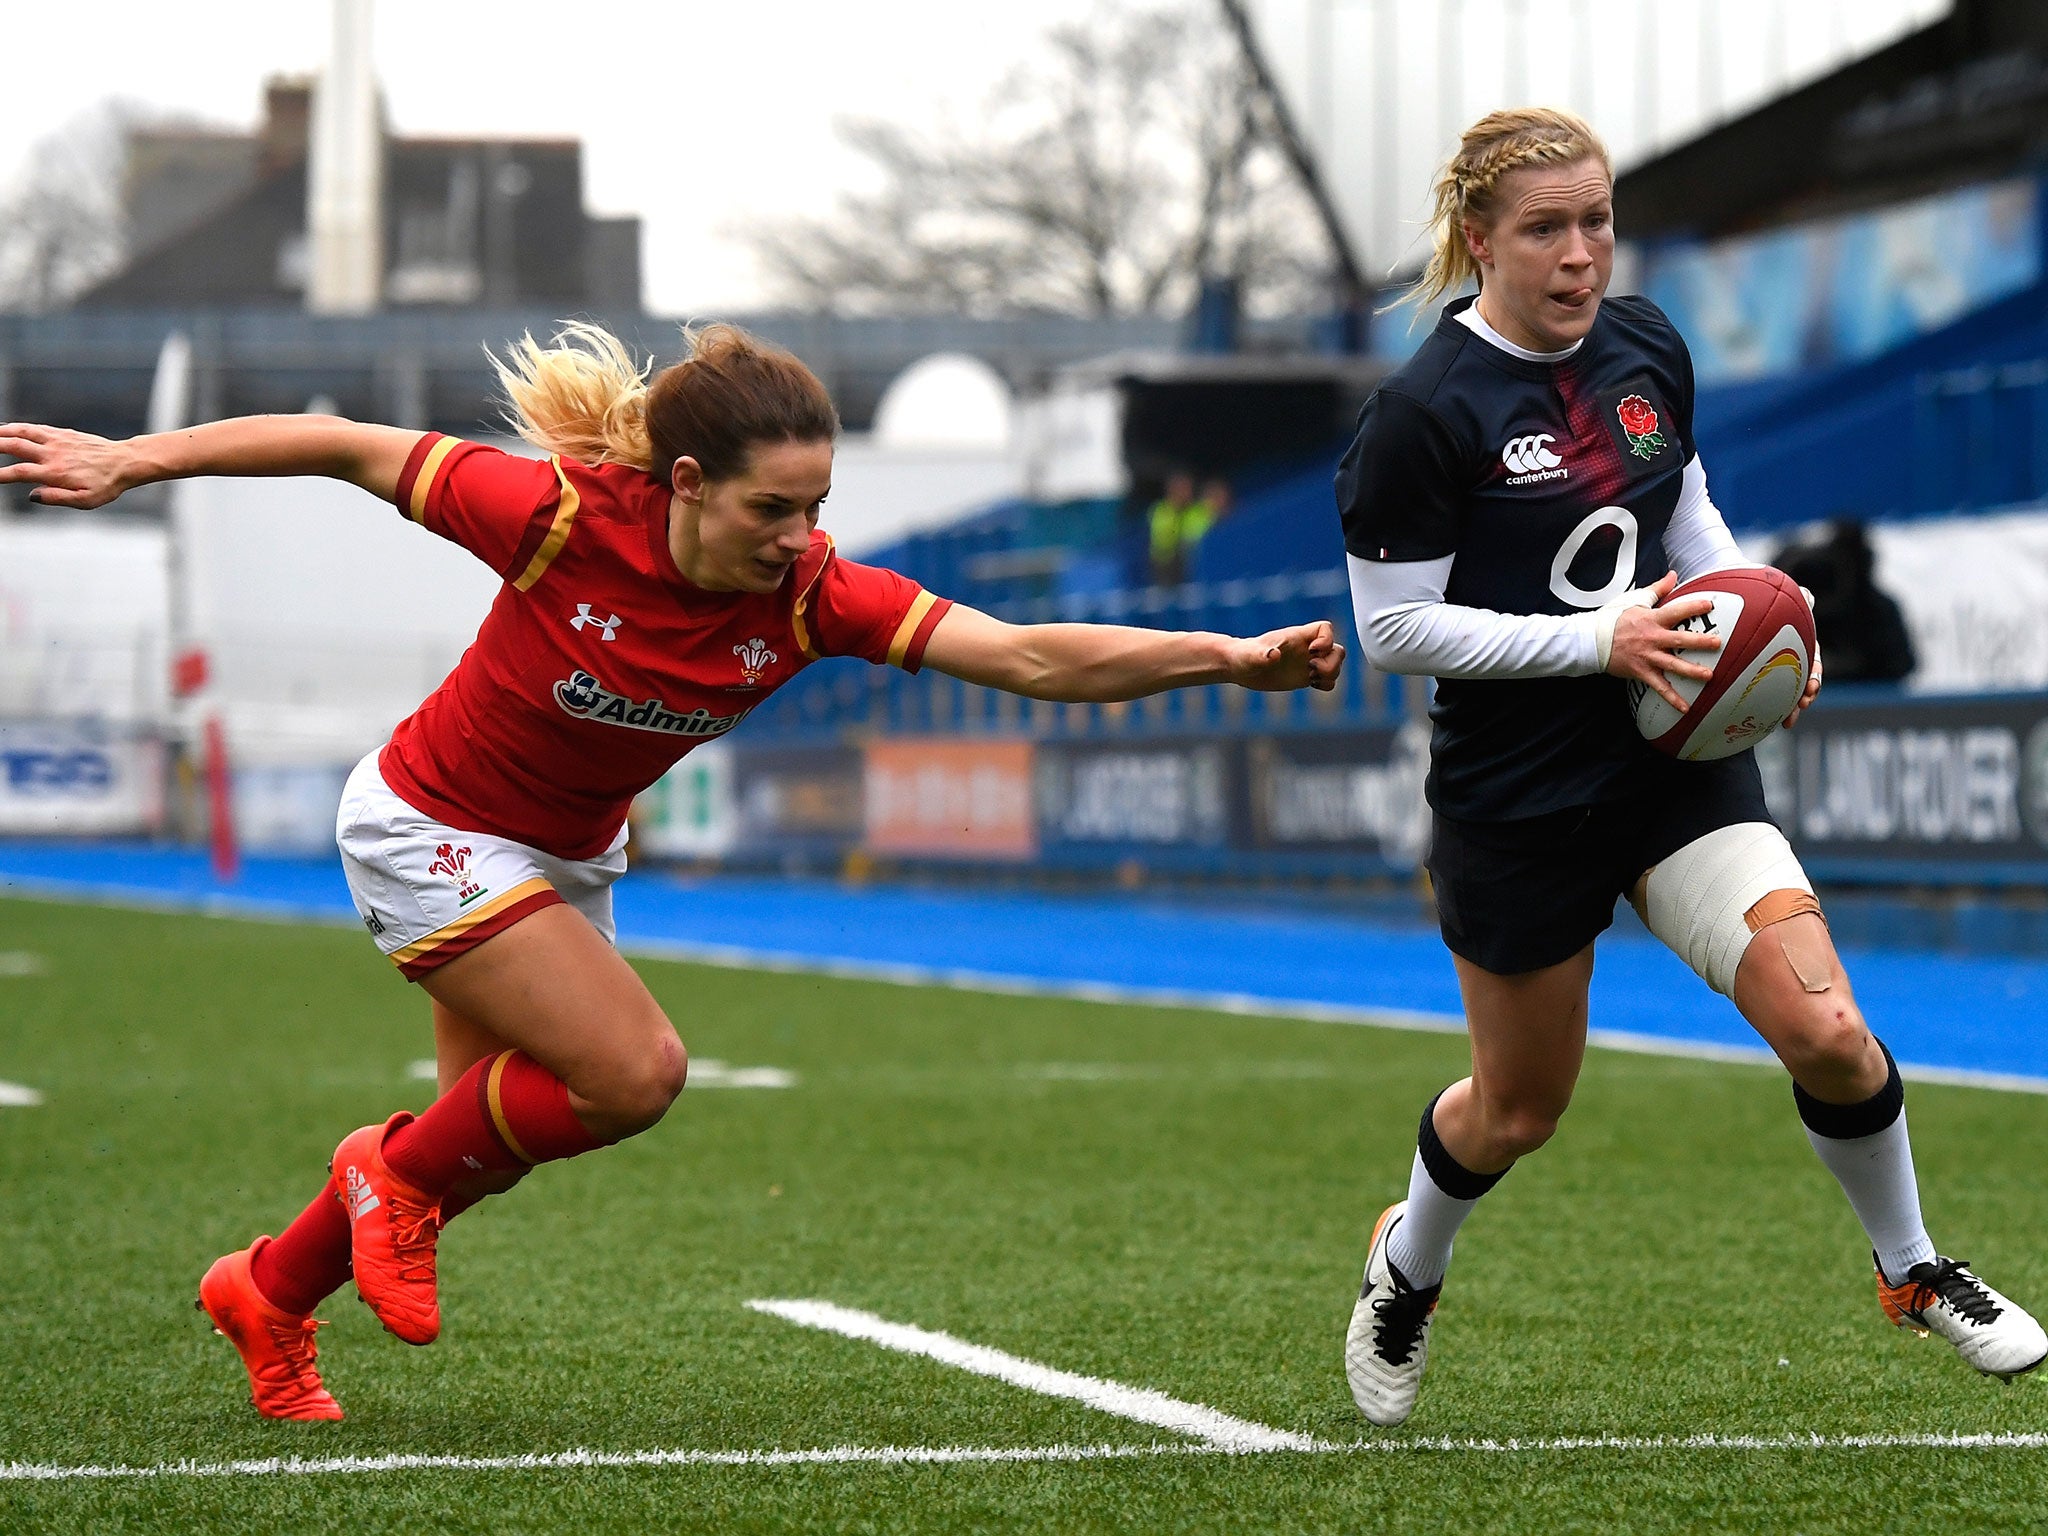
(1759, 673)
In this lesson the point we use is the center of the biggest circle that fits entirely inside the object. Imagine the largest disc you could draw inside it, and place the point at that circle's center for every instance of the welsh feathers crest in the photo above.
(453, 861)
(755, 658)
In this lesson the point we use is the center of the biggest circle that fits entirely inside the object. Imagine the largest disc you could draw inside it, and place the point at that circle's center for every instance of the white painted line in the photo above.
(19, 962)
(924, 1455)
(709, 1072)
(1222, 1071)
(1139, 1403)
(729, 957)
(1092, 1071)
(888, 1455)
(18, 1096)
(705, 1072)
(1761, 1056)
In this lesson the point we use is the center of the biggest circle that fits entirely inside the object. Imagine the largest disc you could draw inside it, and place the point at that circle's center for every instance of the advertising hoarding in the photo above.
(1350, 792)
(64, 778)
(1144, 793)
(949, 797)
(1951, 789)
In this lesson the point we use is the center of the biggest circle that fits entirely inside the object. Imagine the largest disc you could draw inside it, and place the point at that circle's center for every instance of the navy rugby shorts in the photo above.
(1516, 896)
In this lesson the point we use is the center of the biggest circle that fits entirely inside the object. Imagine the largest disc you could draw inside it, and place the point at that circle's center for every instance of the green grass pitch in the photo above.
(1172, 1200)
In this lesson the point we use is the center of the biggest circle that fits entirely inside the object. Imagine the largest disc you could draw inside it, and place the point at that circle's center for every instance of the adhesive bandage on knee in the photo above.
(1709, 899)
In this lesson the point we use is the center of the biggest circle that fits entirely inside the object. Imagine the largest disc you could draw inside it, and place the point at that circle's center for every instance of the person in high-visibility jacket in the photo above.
(1180, 520)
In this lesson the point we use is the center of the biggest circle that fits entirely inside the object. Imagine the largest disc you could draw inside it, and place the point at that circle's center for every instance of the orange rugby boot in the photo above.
(276, 1347)
(392, 1230)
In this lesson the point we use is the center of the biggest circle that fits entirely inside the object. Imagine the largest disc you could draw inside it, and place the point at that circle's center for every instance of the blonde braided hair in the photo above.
(1465, 189)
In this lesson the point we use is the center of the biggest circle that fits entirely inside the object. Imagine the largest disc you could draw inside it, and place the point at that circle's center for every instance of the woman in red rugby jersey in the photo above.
(663, 573)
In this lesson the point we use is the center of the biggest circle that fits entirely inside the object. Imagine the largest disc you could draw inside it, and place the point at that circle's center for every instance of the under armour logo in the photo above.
(585, 616)
(1527, 455)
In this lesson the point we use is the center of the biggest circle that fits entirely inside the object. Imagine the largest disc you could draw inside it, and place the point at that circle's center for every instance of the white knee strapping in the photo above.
(1698, 901)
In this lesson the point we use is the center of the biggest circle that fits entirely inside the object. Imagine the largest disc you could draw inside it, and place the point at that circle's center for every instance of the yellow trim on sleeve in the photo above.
(900, 646)
(469, 920)
(796, 614)
(558, 535)
(423, 482)
(497, 1102)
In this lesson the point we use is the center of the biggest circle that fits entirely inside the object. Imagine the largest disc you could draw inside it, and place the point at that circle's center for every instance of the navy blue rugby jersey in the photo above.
(1551, 484)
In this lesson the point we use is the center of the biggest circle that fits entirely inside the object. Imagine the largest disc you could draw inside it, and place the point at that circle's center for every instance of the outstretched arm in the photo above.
(1103, 663)
(76, 469)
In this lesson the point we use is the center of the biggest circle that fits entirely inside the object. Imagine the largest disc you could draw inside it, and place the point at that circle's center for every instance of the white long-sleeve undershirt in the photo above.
(1697, 540)
(1404, 624)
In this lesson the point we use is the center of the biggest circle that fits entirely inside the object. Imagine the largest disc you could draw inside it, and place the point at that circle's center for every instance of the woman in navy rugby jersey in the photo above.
(1521, 496)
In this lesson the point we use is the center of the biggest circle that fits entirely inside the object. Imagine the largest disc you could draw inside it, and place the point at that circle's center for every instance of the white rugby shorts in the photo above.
(428, 892)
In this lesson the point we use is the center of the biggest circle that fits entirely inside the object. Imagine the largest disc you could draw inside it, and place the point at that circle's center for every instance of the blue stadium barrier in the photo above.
(839, 696)
(1956, 420)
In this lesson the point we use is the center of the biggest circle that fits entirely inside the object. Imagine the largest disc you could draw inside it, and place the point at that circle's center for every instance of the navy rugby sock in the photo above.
(1441, 1193)
(1866, 1148)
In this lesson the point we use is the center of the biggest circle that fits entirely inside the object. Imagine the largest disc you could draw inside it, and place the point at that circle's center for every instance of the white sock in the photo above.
(1420, 1244)
(1876, 1173)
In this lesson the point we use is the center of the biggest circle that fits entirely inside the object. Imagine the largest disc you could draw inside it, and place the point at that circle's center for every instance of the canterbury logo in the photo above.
(1529, 455)
(360, 1199)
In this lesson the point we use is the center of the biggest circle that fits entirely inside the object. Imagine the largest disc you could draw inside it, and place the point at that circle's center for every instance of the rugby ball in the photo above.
(1767, 646)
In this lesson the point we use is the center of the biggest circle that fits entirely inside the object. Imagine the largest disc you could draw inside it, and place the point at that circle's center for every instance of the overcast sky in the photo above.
(696, 116)
(701, 117)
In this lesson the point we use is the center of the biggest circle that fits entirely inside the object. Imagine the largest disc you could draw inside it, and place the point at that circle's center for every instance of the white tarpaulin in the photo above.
(1974, 591)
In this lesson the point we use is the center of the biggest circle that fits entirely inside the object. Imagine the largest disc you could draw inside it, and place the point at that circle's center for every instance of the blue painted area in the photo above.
(147, 873)
(1975, 1013)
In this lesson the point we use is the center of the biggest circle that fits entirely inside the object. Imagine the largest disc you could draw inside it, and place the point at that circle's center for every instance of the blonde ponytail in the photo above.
(1465, 189)
(582, 397)
(586, 399)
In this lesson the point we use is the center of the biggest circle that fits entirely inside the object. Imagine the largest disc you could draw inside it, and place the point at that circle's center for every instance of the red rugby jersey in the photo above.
(600, 664)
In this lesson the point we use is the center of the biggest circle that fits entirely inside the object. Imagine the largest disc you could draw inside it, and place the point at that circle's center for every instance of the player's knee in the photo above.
(1517, 1130)
(1829, 1042)
(636, 1090)
(650, 1085)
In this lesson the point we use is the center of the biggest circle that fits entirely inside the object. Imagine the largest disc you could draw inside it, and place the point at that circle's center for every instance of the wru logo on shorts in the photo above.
(453, 862)
(586, 698)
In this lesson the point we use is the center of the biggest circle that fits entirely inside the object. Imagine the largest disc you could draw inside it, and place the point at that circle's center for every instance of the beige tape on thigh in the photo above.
(1805, 951)
(1709, 899)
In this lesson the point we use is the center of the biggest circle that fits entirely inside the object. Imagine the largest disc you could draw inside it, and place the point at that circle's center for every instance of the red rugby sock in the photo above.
(458, 1200)
(310, 1261)
(506, 1112)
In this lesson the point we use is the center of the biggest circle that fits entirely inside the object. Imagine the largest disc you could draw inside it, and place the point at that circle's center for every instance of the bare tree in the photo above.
(1112, 177)
(61, 226)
